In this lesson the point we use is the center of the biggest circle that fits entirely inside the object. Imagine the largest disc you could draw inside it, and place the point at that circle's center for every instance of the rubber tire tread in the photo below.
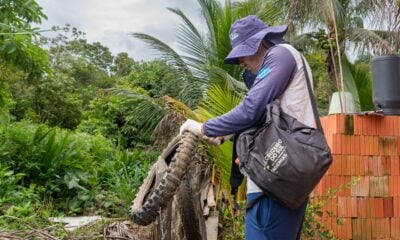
(170, 182)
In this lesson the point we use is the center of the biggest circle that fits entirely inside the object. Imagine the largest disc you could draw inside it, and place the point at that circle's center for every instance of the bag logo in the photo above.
(275, 156)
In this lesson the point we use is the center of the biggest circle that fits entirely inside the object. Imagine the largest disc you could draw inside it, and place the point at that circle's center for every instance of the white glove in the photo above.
(192, 126)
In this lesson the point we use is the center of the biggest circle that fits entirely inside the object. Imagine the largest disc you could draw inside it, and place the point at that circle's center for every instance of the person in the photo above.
(273, 70)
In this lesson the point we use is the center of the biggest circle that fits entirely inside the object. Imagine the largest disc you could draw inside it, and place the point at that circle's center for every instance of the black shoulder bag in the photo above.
(285, 158)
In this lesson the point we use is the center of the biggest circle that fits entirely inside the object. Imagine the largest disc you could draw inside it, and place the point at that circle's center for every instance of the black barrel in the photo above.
(386, 83)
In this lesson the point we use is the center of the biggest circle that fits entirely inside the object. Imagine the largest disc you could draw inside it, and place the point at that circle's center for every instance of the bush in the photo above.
(73, 171)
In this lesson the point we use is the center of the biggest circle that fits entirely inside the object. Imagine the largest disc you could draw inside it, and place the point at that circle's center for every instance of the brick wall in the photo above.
(366, 148)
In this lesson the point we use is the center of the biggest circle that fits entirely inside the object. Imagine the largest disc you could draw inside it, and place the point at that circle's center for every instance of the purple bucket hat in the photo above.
(246, 35)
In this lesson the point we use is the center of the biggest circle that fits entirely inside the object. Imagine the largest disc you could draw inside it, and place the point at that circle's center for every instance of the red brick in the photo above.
(347, 207)
(391, 185)
(395, 227)
(362, 228)
(341, 122)
(398, 145)
(381, 228)
(363, 148)
(352, 166)
(344, 144)
(361, 188)
(334, 169)
(371, 169)
(362, 207)
(387, 146)
(378, 208)
(357, 120)
(372, 126)
(357, 149)
(370, 207)
(343, 209)
(396, 126)
(353, 203)
(368, 141)
(368, 122)
(394, 165)
(365, 126)
(357, 161)
(386, 166)
(340, 165)
(343, 231)
(390, 121)
(356, 227)
(364, 165)
(380, 165)
(380, 126)
(336, 147)
(396, 206)
(379, 186)
(345, 165)
(388, 207)
(375, 146)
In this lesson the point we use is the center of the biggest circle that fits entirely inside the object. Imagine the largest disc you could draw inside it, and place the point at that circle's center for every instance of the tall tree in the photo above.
(79, 69)
(122, 65)
(341, 26)
(17, 37)
(17, 48)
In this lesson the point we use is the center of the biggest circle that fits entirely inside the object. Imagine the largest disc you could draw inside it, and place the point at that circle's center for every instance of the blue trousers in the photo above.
(270, 220)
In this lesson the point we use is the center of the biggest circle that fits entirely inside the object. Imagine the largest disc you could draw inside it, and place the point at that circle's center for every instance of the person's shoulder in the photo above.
(280, 49)
(281, 52)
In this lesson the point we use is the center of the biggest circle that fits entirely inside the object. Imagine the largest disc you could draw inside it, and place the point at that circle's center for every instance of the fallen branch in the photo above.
(4, 236)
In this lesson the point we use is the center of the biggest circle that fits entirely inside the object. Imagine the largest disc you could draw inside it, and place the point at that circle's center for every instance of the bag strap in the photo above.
(312, 98)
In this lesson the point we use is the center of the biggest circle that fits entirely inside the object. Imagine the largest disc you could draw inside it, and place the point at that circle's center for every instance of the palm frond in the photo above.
(268, 11)
(219, 101)
(167, 53)
(146, 112)
(369, 40)
(383, 14)
(305, 41)
(211, 11)
(350, 84)
(192, 92)
(134, 95)
(220, 76)
(363, 81)
(191, 42)
(222, 156)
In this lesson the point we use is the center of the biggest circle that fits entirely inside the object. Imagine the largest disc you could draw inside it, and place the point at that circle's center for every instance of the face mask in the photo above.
(248, 78)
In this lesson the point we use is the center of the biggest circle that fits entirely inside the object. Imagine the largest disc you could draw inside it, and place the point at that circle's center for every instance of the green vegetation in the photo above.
(79, 127)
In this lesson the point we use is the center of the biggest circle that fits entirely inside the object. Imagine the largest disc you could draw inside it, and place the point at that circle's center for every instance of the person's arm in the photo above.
(274, 76)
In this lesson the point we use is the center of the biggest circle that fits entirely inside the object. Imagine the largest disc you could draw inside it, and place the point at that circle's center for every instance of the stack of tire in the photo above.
(182, 149)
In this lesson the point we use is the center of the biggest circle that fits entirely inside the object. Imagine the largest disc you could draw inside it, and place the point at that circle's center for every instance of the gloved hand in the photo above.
(197, 128)
(192, 126)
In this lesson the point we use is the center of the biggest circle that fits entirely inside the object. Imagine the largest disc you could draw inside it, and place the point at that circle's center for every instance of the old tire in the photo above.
(184, 147)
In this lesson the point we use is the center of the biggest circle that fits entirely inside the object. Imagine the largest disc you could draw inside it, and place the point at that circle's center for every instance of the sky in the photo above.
(111, 22)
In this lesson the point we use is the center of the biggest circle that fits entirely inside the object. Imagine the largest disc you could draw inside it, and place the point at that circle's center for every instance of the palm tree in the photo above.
(343, 22)
(206, 81)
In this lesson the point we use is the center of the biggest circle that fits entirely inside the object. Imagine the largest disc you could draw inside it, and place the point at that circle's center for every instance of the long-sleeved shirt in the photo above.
(275, 74)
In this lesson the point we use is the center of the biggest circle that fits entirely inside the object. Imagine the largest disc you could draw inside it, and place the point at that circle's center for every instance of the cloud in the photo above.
(111, 22)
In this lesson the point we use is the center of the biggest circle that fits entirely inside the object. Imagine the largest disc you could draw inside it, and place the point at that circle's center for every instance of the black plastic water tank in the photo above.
(386, 83)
